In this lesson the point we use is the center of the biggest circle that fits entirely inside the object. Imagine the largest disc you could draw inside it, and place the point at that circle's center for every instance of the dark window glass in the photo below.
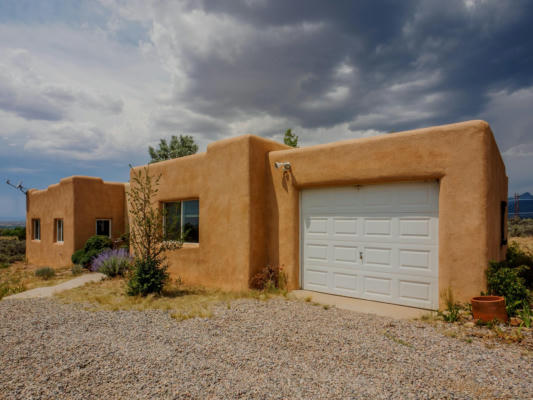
(103, 227)
(191, 221)
(36, 229)
(172, 221)
(182, 218)
(59, 230)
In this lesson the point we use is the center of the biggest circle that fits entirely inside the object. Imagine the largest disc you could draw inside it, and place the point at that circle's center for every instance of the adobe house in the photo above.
(395, 218)
(61, 218)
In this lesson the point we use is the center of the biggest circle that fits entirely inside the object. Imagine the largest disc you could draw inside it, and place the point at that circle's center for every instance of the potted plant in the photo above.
(489, 308)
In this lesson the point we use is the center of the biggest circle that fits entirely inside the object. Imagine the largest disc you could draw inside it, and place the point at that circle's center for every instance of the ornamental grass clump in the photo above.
(112, 262)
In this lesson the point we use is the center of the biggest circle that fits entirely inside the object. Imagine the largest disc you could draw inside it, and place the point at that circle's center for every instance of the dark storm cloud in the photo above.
(415, 63)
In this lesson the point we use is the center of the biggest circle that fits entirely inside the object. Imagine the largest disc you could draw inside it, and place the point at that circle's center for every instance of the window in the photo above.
(103, 227)
(59, 230)
(36, 229)
(182, 219)
(503, 213)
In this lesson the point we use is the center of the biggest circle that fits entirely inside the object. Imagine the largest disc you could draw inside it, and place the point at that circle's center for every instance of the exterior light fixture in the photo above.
(286, 166)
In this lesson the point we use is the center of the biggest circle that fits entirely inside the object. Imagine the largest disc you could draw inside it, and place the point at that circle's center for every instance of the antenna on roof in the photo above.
(18, 186)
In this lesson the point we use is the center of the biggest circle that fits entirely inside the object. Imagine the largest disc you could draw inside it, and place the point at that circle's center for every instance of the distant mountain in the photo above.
(525, 205)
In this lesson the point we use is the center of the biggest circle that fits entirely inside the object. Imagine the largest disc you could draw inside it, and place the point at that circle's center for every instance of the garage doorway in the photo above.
(374, 242)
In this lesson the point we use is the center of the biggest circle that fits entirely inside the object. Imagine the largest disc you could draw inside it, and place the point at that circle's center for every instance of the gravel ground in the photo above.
(255, 349)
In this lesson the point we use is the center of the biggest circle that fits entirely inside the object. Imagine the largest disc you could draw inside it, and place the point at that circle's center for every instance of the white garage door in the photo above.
(376, 242)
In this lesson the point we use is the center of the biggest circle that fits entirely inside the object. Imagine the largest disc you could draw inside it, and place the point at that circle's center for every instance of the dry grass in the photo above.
(525, 243)
(19, 277)
(182, 302)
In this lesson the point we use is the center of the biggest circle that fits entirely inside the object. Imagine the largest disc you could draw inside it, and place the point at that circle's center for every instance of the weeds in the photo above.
(77, 270)
(271, 279)
(453, 309)
(45, 273)
(390, 336)
(526, 315)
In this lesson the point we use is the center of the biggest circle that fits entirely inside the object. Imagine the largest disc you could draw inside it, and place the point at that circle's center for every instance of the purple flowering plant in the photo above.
(112, 262)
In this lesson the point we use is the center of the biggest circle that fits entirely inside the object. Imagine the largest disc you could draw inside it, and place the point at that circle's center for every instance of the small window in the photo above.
(182, 220)
(103, 227)
(59, 230)
(36, 229)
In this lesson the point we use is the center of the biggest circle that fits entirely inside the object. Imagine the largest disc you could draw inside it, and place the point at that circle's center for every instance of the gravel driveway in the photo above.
(255, 349)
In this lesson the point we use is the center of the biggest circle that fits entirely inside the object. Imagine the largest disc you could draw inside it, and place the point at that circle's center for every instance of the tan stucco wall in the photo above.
(463, 157)
(95, 199)
(79, 201)
(57, 201)
(229, 180)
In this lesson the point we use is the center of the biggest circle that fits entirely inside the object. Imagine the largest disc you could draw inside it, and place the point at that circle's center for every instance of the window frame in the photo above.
(36, 229)
(163, 205)
(110, 226)
(57, 222)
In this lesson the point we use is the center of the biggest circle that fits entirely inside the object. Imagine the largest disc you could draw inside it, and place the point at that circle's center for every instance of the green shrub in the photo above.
(507, 282)
(97, 242)
(19, 232)
(4, 265)
(77, 269)
(517, 258)
(92, 248)
(45, 273)
(77, 256)
(148, 276)
(89, 256)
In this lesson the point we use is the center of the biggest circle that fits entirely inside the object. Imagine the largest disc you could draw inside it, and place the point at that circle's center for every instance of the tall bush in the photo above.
(146, 235)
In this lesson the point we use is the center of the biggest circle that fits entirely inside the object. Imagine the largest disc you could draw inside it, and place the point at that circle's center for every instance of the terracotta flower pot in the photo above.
(489, 308)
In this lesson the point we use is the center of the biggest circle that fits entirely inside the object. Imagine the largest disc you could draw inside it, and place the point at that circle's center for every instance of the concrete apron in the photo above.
(49, 291)
(362, 306)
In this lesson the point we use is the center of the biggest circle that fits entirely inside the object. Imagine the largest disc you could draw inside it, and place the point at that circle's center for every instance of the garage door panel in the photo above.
(317, 225)
(345, 254)
(317, 277)
(378, 256)
(414, 290)
(345, 228)
(317, 252)
(377, 227)
(373, 242)
(415, 227)
(377, 286)
(345, 282)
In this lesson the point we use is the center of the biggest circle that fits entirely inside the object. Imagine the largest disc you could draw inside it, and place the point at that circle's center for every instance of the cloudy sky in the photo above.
(86, 86)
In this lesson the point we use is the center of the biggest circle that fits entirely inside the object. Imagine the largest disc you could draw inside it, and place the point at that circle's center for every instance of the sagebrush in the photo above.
(12, 250)
(45, 273)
